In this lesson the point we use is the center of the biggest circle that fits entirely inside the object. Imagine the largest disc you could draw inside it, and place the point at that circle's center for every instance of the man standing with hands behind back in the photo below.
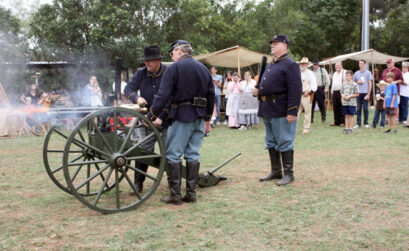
(280, 93)
(188, 84)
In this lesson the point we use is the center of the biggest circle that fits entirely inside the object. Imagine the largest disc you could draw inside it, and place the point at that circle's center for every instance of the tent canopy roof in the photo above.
(232, 57)
(371, 56)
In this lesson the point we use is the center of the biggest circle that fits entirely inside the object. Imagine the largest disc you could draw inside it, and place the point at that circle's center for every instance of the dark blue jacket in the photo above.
(281, 78)
(148, 84)
(183, 80)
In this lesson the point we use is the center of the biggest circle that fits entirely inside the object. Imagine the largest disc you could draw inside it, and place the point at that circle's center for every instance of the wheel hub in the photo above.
(117, 160)
(120, 161)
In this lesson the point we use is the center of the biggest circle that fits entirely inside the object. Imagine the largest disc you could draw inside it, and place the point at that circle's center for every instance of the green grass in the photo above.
(351, 192)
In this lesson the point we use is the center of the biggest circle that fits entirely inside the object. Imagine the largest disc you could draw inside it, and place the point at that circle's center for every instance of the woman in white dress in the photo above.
(247, 115)
(232, 108)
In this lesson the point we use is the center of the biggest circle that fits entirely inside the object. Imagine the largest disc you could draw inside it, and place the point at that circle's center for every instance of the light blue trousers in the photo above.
(280, 134)
(185, 138)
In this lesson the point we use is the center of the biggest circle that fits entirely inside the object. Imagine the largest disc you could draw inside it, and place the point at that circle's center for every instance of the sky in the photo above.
(23, 7)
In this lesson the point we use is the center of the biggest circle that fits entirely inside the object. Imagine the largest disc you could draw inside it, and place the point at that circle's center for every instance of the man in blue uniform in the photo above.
(147, 81)
(189, 86)
(280, 92)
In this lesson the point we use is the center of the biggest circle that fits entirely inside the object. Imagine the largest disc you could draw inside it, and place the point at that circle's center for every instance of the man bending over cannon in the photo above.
(189, 86)
(147, 81)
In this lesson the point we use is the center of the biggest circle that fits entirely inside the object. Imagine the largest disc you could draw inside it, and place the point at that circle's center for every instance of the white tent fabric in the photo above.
(371, 56)
(234, 57)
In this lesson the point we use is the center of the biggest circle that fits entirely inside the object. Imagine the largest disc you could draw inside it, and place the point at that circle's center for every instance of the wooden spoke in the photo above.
(141, 172)
(118, 206)
(102, 187)
(91, 177)
(104, 140)
(128, 136)
(130, 183)
(59, 168)
(88, 162)
(153, 156)
(139, 143)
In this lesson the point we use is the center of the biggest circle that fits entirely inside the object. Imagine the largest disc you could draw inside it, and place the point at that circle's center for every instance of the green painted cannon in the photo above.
(98, 156)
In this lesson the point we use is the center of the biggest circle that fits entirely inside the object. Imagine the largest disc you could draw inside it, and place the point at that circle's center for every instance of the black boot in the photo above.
(175, 177)
(275, 166)
(192, 173)
(288, 160)
(139, 178)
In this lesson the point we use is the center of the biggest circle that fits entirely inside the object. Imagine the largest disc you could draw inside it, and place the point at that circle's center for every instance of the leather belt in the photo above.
(271, 97)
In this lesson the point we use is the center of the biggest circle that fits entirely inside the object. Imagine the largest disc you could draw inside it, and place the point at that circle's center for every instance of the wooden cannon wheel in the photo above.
(53, 151)
(98, 155)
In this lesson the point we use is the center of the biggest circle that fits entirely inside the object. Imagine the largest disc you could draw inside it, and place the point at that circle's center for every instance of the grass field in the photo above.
(351, 192)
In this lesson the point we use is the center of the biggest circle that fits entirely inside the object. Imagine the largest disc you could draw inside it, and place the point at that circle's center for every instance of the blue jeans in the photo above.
(185, 138)
(280, 134)
(217, 101)
(403, 108)
(361, 100)
(376, 118)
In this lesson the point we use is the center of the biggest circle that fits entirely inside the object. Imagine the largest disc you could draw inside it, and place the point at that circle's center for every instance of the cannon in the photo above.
(93, 162)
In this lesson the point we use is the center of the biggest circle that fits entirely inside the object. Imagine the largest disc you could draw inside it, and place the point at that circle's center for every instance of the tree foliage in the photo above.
(97, 31)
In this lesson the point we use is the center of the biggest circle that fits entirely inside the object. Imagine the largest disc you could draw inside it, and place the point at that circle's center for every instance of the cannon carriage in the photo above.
(99, 155)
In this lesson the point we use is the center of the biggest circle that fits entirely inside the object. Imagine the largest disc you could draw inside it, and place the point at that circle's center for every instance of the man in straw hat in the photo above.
(323, 82)
(280, 92)
(147, 81)
(309, 86)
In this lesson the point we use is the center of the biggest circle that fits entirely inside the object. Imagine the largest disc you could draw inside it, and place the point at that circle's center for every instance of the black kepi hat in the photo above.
(315, 61)
(280, 38)
(177, 43)
(151, 52)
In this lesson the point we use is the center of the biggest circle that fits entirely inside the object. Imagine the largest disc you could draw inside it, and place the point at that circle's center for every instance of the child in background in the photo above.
(349, 92)
(391, 102)
(379, 110)
(44, 100)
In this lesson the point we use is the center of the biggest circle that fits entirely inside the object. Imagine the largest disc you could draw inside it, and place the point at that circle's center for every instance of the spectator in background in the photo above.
(323, 81)
(337, 79)
(44, 102)
(398, 78)
(379, 107)
(122, 89)
(33, 93)
(349, 93)
(228, 78)
(217, 81)
(404, 94)
(95, 92)
(248, 110)
(363, 78)
(309, 85)
(391, 102)
(233, 104)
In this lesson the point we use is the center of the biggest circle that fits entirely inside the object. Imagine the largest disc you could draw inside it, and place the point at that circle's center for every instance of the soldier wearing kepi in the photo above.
(147, 81)
(189, 86)
(280, 92)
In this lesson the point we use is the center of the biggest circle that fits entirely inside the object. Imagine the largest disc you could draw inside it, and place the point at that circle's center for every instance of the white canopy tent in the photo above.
(233, 57)
(371, 56)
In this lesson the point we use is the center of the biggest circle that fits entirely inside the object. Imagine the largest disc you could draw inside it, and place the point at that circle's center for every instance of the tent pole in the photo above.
(373, 81)
(238, 60)
(329, 91)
